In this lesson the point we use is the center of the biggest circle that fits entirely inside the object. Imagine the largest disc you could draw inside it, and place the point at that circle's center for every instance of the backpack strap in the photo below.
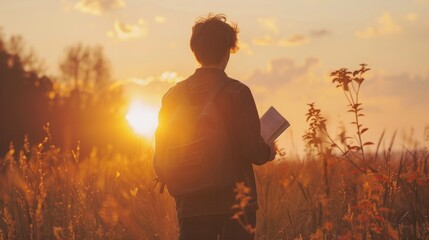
(212, 94)
(226, 106)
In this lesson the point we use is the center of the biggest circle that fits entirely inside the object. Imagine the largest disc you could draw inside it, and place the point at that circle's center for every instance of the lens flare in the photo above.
(143, 119)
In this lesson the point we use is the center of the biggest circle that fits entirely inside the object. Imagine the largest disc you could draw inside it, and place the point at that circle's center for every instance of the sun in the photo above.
(142, 118)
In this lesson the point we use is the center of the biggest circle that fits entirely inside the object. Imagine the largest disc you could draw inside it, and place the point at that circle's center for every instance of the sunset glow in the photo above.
(287, 51)
(84, 84)
(142, 119)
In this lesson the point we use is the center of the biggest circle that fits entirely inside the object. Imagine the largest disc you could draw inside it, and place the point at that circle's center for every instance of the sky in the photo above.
(287, 50)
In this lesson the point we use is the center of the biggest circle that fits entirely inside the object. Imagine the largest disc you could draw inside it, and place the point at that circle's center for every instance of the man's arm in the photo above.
(160, 134)
(252, 146)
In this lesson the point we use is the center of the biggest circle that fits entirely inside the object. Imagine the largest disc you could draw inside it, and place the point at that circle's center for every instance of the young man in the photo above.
(206, 214)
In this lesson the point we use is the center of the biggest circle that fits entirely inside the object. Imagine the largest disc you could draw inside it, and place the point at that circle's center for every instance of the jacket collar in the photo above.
(210, 72)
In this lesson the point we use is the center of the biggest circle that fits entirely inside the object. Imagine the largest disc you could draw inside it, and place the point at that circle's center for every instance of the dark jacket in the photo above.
(238, 106)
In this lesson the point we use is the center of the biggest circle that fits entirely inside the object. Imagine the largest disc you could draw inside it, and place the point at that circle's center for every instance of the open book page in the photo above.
(273, 124)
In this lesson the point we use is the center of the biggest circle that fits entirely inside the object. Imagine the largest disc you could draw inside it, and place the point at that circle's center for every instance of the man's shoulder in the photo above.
(236, 87)
(236, 84)
(174, 90)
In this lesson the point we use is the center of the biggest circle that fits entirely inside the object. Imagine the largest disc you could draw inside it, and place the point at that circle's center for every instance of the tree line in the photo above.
(75, 108)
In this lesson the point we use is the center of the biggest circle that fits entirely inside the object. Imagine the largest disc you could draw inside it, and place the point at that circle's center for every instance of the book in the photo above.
(273, 124)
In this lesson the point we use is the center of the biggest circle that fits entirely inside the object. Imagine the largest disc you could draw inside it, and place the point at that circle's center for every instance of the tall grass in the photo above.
(48, 194)
(339, 191)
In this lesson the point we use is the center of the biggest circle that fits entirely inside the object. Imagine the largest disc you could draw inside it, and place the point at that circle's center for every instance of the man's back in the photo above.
(206, 213)
(237, 107)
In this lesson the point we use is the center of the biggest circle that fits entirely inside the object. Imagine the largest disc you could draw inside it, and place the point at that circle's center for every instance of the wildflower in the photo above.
(342, 76)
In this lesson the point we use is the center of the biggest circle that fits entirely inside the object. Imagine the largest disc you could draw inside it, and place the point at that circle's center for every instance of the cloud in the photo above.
(168, 77)
(123, 31)
(283, 80)
(408, 90)
(288, 86)
(411, 17)
(319, 33)
(390, 101)
(291, 41)
(98, 7)
(294, 40)
(245, 47)
(270, 24)
(267, 40)
(385, 26)
(150, 88)
(159, 19)
(281, 72)
(396, 102)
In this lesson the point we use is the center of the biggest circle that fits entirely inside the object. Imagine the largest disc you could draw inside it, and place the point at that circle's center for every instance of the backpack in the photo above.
(193, 151)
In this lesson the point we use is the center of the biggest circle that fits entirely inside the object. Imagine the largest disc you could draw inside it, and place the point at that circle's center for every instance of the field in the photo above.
(337, 191)
(53, 195)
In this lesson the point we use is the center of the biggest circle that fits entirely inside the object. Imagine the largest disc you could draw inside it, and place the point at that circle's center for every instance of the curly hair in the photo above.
(212, 38)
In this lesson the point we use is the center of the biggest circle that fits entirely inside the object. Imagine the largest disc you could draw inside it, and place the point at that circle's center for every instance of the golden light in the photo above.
(143, 119)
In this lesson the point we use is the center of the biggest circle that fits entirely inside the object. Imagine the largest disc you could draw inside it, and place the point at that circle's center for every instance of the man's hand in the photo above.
(273, 147)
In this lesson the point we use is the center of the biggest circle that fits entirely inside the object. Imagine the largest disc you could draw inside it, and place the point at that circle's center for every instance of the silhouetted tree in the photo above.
(24, 94)
(85, 67)
(90, 112)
